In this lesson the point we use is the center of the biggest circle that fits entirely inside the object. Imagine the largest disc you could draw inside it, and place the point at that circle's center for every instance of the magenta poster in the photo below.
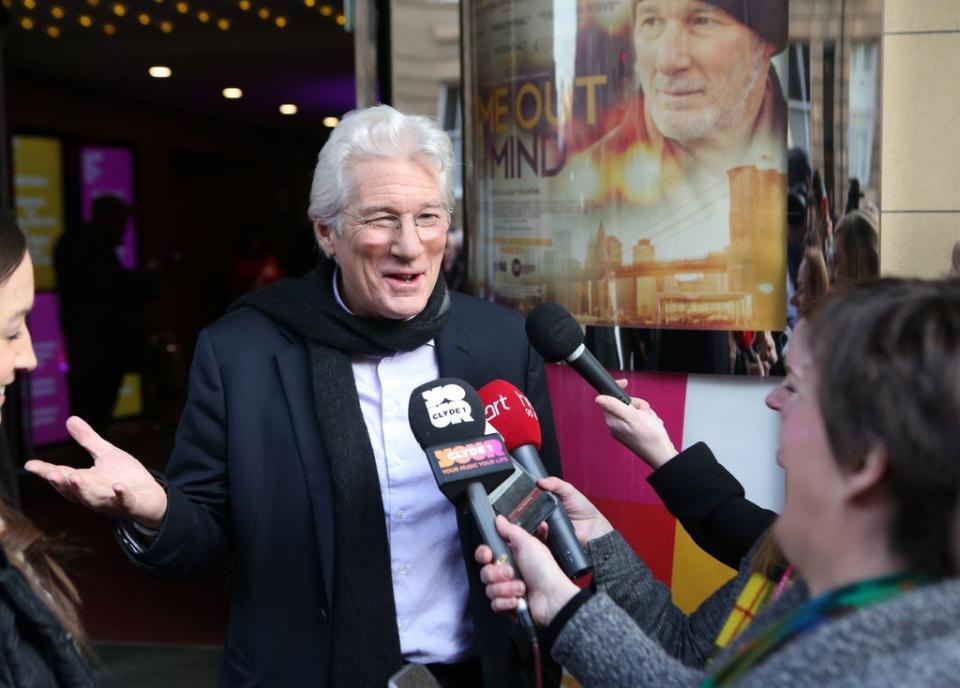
(108, 170)
(49, 397)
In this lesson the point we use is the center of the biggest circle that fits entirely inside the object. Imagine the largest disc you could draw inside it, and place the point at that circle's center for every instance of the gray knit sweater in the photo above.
(911, 640)
(624, 578)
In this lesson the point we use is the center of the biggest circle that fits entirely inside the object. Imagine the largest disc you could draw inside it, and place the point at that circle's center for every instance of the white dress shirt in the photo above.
(430, 585)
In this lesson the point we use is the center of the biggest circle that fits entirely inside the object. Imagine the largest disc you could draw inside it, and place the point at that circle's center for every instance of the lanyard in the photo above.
(831, 605)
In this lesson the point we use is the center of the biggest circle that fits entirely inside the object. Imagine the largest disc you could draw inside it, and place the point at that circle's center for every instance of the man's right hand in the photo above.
(117, 484)
(588, 522)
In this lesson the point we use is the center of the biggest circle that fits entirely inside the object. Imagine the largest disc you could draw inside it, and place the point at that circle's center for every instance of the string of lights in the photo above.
(54, 18)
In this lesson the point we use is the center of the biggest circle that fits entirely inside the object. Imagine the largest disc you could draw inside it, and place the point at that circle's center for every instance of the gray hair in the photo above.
(376, 132)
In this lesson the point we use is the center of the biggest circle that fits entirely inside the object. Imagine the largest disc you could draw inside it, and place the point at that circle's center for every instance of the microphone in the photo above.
(446, 417)
(509, 411)
(557, 337)
(413, 676)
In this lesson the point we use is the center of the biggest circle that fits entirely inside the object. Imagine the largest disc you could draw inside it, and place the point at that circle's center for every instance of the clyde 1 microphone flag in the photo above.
(446, 417)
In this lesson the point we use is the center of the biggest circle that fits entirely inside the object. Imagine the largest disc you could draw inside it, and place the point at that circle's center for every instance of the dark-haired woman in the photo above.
(39, 625)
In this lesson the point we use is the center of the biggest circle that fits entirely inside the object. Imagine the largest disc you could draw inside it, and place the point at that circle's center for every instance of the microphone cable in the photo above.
(530, 630)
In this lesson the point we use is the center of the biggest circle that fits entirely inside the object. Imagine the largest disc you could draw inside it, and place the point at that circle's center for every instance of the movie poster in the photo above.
(629, 160)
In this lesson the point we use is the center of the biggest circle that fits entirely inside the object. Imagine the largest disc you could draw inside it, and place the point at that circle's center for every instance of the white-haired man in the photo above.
(295, 458)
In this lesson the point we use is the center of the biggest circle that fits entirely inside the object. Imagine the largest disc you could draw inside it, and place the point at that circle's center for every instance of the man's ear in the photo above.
(769, 50)
(325, 235)
(862, 479)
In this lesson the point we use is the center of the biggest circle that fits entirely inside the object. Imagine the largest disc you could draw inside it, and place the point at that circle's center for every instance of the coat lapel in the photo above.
(454, 349)
(296, 380)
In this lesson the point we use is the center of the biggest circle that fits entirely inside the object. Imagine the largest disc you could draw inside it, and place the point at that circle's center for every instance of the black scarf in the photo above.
(366, 643)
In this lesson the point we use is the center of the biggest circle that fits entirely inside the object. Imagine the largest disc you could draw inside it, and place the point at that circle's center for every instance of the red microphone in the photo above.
(511, 414)
(509, 411)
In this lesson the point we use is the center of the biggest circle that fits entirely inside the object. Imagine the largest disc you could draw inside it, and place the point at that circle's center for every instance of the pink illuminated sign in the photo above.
(49, 397)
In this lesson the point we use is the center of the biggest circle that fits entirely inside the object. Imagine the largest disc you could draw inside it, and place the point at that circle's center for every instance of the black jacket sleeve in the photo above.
(710, 504)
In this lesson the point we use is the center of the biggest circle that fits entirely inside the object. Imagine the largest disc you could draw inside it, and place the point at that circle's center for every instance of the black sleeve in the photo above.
(194, 534)
(710, 504)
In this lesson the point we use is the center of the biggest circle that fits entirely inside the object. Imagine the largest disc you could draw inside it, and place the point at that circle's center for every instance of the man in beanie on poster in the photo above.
(709, 99)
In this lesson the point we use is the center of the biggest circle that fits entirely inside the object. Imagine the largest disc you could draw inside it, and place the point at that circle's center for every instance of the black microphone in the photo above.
(557, 336)
(509, 411)
(446, 417)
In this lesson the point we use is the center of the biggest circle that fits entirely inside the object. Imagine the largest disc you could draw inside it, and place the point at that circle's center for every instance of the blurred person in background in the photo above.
(40, 631)
(819, 220)
(813, 282)
(856, 250)
(868, 442)
(101, 309)
(954, 270)
(453, 260)
(854, 196)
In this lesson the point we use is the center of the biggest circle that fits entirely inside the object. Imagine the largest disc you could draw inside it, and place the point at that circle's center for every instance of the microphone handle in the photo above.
(562, 538)
(484, 517)
(590, 369)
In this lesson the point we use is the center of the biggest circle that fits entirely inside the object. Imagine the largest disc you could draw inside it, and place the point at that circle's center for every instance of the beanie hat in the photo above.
(766, 18)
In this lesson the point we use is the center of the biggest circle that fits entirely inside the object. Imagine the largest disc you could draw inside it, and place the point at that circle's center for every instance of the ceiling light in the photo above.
(119, 9)
(53, 31)
(326, 10)
(30, 4)
(57, 12)
(85, 21)
(331, 122)
(244, 5)
(160, 72)
(232, 93)
(263, 13)
(27, 23)
(203, 16)
(93, 3)
(341, 20)
(8, 4)
(223, 24)
(280, 22)
(144, 19)
(309, 3)
(166, 26)
(288, 109)
(182, 7)
(109, 29)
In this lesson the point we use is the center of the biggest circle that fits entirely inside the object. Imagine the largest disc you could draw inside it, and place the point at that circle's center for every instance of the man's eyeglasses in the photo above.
(429, 222)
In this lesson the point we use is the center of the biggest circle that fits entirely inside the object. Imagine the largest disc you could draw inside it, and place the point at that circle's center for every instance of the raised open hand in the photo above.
(117, 484)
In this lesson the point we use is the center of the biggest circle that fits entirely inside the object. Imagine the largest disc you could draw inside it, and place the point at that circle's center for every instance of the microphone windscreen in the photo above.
(446, 417)
(444, 411)
(509, 411)
(553, 332)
